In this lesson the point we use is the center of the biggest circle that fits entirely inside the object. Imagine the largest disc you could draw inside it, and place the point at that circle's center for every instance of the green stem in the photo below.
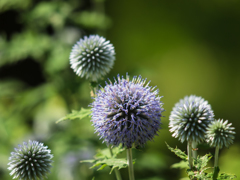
(130, 164)
(189, 149)
(194, 147)
(216, 156)
(117, 173)
(216, 168)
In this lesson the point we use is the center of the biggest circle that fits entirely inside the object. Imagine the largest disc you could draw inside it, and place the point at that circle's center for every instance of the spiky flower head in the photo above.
(92, 57)
(189, 119)
(220, 133)
(127, 112)
(30, 161)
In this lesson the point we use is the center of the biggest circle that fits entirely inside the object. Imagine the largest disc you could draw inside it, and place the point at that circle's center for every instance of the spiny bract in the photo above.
(92, 57)
(189, 119)
(127, 112)
(220, 133)
(30, 161)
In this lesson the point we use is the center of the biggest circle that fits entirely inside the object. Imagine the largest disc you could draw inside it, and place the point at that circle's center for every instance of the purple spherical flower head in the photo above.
(127, 112)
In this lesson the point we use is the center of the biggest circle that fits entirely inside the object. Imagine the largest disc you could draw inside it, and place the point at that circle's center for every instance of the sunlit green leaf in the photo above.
(104, 158)
(76, 115)
(182, 165)
(112, 162)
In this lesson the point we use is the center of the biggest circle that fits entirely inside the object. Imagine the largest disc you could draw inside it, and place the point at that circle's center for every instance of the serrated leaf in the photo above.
(103, 158)
(76, 115)
(201, 162)
(182, 165)
(112, 162)
(226, 176)
(178, 152)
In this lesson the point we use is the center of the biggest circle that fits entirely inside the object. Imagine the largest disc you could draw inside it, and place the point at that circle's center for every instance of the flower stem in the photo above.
(216, 168)
(130, 164)
(117, 173)
(216, 156)
(194, 146)
(189, 149)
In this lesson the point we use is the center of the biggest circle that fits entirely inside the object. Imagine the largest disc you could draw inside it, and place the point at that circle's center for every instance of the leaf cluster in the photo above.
(199, 170)
(103, 158)
(37, 86)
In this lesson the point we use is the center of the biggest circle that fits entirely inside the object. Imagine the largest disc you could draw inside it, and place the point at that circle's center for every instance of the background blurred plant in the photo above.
(184, 48)
(31, 160)
(37, 86)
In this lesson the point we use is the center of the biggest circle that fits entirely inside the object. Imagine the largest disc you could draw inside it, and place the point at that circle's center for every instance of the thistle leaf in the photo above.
(201, 162)
(178, 152)
(226, 176)
(103, 158)
(76, 114)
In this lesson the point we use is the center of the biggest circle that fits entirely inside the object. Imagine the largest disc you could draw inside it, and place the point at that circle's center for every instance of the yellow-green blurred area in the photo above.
(183, 47)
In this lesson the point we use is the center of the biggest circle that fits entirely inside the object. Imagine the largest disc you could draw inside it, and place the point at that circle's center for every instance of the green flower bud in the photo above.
(220, 133)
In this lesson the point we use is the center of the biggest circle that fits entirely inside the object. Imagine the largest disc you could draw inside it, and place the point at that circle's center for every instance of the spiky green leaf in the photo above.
(178, 152)
(226, 176)
(201, 162)
(104, 158)
(76, 115)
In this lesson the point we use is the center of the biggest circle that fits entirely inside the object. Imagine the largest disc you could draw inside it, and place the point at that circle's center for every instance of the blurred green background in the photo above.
(184, 48)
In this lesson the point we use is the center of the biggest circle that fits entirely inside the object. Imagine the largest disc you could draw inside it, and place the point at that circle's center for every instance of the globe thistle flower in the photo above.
(220, 133)
(189, 119)
(31, 160)
(127, 112)
(92, 57)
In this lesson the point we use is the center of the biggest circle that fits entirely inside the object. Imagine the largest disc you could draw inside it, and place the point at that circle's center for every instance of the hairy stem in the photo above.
(130, 164)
